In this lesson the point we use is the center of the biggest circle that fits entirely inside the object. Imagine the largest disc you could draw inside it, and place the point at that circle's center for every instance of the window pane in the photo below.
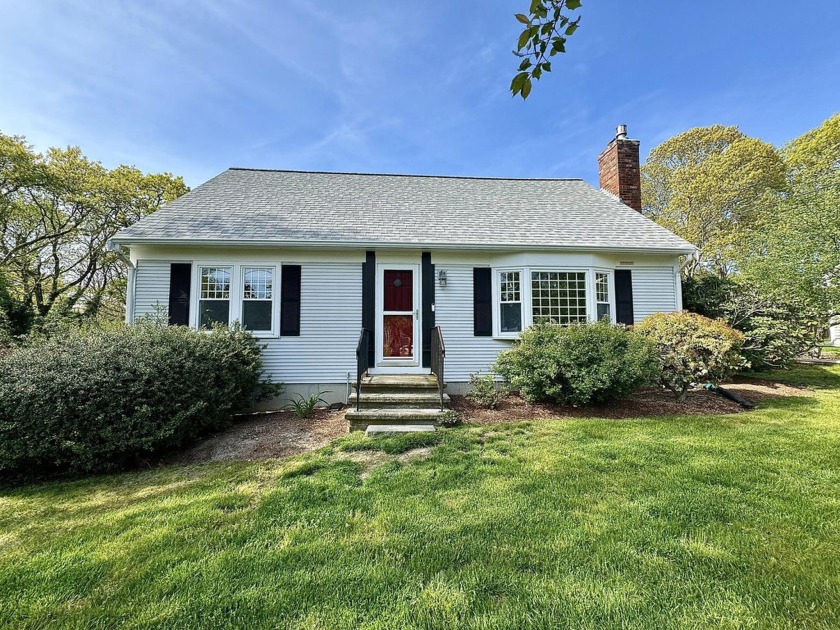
(213, 311)
(256, 314)
(603, 311)
(602, 287)
(398, 336)
(558, 296)
(509, 286)
(511, 316)
(215, 283)
(257, 284)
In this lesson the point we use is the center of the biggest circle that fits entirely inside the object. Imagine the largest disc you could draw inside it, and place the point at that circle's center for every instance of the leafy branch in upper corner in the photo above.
(545, 34)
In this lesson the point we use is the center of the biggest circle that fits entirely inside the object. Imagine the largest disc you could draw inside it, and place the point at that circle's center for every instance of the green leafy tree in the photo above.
(796, 248)
(777, 326)
(547, 27)
(57, 212)
(711, 185)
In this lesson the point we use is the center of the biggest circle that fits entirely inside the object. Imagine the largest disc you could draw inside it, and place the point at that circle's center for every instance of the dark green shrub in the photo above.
(776, 328)
(694, 349)
(485, 391)
(579, 364)
(98, 399)
(15, 318)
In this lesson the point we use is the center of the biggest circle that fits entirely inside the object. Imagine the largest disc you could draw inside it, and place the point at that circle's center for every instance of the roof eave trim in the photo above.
(689, 249)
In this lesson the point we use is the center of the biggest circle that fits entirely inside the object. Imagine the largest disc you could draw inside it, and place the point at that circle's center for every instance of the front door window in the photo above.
(398, 314)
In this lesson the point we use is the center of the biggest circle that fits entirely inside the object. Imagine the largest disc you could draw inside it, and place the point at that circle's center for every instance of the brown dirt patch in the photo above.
(264, 436)
(648, 402)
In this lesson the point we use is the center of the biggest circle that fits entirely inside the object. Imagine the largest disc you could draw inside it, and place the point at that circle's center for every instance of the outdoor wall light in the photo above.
(442, 277)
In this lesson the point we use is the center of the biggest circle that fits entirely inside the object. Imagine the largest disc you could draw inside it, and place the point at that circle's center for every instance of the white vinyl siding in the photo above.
(331, 309)
(151, 288)
(465, 353)
(654, 290)
(330, 322)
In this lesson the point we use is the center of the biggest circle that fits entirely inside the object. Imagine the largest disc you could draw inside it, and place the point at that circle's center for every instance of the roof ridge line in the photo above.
(505, 179)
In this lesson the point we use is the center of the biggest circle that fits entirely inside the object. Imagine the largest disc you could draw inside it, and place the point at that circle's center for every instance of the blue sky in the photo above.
(401, 87)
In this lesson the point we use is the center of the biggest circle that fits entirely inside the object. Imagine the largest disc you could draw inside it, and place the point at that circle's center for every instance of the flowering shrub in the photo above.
(693, 348)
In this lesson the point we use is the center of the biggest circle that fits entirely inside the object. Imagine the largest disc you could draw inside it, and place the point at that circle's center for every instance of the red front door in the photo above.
(398, 314)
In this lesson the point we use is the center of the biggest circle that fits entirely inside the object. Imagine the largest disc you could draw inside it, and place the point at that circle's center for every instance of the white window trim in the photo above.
(525, 291)
(196, 294)
(275, 287)
(237, 277)
(610, 290)
(497, 305)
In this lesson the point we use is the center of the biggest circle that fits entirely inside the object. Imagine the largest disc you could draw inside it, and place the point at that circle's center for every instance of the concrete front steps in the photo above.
(397, 400)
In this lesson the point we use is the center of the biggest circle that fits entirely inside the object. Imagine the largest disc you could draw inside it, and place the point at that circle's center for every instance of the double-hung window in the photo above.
(258, 299)
(510, 301)
(214, 297)
(558, 297)
(602, 295)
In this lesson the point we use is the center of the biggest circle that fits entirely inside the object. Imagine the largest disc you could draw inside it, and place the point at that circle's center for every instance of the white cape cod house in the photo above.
(309, 260)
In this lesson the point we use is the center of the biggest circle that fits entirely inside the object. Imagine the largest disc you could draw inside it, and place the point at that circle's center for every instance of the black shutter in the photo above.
(624, 296)
(180, 278)
(482, 302)
(369, 300)
(428, 300)
(290, 301)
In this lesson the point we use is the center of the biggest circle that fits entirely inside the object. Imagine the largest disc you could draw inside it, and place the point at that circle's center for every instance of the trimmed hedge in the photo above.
(578, 364)
(100, 399)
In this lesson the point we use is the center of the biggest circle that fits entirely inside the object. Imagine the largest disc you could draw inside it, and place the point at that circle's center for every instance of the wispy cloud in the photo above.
(377, 85)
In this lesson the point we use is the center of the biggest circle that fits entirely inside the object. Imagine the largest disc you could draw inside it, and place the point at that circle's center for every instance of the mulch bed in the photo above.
(648, 402)
(280, 434)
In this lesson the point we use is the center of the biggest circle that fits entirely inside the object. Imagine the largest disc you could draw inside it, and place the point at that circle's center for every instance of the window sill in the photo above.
(265, 335)
(507, 337)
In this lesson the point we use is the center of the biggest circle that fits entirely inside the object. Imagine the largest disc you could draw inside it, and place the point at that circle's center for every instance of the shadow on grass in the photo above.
(810, 376)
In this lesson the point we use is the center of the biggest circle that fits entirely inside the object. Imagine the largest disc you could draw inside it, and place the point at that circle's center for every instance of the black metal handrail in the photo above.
(438, 359)
(362, 363)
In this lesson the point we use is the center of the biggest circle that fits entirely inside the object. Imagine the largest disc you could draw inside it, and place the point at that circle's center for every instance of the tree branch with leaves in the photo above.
(547, 27)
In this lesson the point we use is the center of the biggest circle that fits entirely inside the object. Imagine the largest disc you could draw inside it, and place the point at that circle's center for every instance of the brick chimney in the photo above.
(618, 167)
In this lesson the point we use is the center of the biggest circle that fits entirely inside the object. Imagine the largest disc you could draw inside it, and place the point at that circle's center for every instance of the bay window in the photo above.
(532, 295)
(558, 297)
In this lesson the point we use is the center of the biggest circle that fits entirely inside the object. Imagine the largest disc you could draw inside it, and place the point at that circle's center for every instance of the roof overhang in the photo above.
(115, 243)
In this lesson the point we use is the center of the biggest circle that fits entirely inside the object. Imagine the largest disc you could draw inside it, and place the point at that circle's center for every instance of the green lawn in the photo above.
(728, 521)
(831, 352)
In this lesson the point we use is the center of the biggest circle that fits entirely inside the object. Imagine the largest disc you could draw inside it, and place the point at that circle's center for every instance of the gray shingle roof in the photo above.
(256, 207)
